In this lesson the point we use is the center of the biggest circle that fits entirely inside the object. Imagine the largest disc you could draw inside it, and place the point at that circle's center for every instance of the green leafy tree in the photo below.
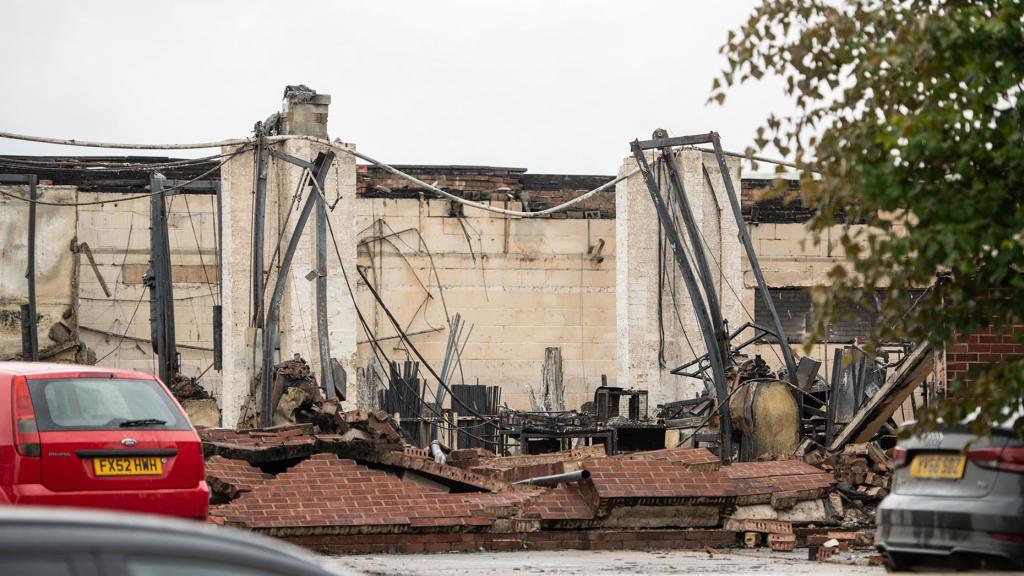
(910, 116)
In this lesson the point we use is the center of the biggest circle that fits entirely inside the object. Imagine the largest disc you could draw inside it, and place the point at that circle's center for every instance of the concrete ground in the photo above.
(592, 563)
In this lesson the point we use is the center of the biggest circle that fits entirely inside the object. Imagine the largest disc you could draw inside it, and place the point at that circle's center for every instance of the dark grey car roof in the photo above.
(30, 528)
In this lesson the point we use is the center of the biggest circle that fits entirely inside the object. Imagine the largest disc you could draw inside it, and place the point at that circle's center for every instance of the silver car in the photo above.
(957, 501)
(37, 541)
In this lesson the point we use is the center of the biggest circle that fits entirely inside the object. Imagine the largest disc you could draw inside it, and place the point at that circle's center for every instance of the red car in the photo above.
(91, 437)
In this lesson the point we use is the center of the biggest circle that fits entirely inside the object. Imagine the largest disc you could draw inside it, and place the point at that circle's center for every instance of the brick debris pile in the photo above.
(366, 492)
(863, 475)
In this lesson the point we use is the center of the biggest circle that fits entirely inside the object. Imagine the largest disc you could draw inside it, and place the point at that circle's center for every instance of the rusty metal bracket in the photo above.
(83, 248)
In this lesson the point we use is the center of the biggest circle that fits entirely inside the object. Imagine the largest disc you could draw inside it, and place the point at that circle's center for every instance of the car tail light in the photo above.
(1002, 536)
(26, 433)
(899, 457)
(1009, 459)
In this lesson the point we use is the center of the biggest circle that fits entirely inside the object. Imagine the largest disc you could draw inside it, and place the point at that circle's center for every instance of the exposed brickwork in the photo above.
(541, 191)
(536, 191)
(379, 446)
(981, 348)
(257, 446)
(443, 473)
(524, 472)
(327, 491)
(692, 458)
(467, 458)
(417, 452)
(616, 481)
(762, 205)
(565, 502)
(515, 468)
(230, 478)
(786, 479)
(560, 540)
(336, 504)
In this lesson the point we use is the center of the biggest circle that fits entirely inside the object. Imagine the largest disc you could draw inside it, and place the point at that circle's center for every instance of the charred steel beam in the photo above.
(218, 338)
(218, 310)
(755, 267)
(270, 329)
(30, 274)
(759, 333)
(322, 166)
(27, 323)
(85, 249)
(697, 243)
(311, 166)
(665, 141)
(699, 309)
(29, 317)
(160, 281)
(258, 218)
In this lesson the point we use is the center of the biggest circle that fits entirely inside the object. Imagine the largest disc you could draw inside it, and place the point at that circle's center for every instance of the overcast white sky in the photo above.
(553, 86)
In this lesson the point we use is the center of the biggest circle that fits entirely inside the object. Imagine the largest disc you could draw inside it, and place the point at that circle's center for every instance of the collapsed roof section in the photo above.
(130, 175)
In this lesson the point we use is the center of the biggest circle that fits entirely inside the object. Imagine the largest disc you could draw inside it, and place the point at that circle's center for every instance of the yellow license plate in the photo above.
(128, 466)
(942, 466)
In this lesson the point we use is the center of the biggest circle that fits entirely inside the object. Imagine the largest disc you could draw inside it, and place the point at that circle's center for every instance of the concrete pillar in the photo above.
(303, 112)
(637, 279)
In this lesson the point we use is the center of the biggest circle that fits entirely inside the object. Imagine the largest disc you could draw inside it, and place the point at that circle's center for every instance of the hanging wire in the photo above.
(142, 294)
(125, 199)
(247, 143)
(394, 322)
(102, 165)
(199, 249)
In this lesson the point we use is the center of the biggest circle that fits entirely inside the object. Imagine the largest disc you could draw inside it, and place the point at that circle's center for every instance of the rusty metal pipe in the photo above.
(556, 479)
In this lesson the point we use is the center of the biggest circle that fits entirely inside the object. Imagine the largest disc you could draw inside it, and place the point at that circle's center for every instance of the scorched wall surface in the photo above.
(524, 285)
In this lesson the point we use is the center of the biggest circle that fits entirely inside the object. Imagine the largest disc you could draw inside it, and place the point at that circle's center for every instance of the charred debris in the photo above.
(747, 412)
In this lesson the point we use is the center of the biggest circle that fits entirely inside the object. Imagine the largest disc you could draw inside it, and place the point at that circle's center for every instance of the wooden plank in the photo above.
(872, 415)
(552, 388)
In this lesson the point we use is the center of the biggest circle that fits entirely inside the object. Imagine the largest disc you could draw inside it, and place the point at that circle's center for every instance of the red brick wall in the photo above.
(472, 541)
(981, 348)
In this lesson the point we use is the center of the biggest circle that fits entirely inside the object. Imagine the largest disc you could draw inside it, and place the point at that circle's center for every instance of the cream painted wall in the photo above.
(118, 234)
(55, 229)
(524, 284)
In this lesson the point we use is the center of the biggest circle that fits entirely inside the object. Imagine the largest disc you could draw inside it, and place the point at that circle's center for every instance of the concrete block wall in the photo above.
(55, 263)
(637, 275)
(790, 259)
(118, 235)
(297, 334)
(298, 317)
(524, 284)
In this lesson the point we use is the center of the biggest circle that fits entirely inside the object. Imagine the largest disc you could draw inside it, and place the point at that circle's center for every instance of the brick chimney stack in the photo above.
(304, 112)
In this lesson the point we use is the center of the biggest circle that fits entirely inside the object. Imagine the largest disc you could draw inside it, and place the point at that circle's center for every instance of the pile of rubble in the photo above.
(349, 484)
(863, 476)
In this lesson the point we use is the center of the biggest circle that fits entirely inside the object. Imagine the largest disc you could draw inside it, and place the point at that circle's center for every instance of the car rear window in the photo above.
(103, 404)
